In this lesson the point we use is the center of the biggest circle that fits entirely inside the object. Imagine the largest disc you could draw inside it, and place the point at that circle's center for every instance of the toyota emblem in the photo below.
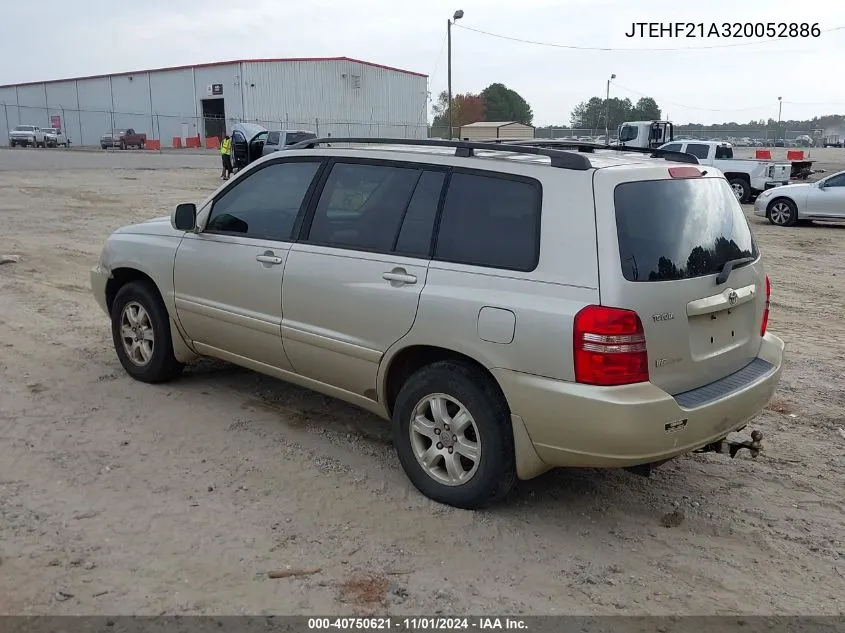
(733, 298)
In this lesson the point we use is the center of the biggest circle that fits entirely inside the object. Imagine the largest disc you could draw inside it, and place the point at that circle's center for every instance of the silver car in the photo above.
(821, 200)
(509, 308)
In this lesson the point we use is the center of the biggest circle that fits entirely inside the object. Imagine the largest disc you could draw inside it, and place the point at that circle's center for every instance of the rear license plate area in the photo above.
(718, 332)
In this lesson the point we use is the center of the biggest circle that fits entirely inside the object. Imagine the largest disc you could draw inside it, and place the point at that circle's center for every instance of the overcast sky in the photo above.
(738, 83)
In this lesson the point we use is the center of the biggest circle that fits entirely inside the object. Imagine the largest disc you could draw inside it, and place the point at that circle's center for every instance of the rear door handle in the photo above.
(399, 276)
(269, 258)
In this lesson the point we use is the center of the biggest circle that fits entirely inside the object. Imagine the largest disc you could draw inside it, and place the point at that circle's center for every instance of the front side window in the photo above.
(490, 221)
(362, 206)
(265, 203)
(835, 181)
(672, 147)
(273, 138)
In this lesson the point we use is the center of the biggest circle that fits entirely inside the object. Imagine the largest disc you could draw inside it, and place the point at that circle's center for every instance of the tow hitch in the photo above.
(727, 447)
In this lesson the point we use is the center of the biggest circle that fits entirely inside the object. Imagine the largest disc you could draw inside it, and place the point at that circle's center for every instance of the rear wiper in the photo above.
(729, 265)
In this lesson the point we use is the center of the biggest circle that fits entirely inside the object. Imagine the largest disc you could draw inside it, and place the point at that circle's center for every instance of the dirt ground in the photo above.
(123, 498)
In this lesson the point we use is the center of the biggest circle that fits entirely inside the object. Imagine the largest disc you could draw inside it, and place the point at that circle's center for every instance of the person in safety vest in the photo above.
(226, 155)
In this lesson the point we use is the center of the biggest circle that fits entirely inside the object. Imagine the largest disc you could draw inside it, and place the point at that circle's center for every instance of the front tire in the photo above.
(141, 334)
(782, 212)
(453, 435)
(741, 189)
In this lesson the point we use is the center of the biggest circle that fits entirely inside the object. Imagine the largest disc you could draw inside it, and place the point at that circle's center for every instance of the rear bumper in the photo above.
(580, 425)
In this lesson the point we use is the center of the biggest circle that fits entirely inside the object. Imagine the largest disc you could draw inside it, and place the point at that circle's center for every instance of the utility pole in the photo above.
(607, 112)
(780, 105)
(458, 15)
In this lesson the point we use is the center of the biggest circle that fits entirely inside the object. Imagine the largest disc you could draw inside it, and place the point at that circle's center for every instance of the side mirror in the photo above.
(184, 218)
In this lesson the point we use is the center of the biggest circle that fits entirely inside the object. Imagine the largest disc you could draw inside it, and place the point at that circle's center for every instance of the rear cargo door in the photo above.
(663, 241)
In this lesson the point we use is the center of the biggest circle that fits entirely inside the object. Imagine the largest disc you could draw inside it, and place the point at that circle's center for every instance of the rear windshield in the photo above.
(297, 137)
(723, 151)
(679, 229)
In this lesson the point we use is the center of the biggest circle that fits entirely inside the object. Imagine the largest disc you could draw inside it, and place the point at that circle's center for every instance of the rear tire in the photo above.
(141, 334)
(461, 405)
(741, 189)
(782, 212)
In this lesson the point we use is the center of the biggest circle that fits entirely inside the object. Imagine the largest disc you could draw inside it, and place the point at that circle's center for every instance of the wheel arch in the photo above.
(398, 365)
(780, 198)
(123, 275)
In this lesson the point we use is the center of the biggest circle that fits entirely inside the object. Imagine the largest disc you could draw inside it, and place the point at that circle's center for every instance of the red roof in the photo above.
(224, 63)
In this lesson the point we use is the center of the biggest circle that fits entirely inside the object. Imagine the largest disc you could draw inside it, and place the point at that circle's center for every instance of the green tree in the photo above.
(503, 104)
(646, 110)
(592, 114)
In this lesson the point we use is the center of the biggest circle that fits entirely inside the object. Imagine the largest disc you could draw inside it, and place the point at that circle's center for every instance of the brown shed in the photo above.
(496, 129)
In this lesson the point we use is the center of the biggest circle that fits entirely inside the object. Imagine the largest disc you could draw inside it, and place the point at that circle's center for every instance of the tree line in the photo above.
(496, 102)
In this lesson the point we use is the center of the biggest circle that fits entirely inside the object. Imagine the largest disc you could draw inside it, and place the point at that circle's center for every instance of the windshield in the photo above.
(292, 138)
(627, 133)
(679, 229)
(49, 130)
(25, 128)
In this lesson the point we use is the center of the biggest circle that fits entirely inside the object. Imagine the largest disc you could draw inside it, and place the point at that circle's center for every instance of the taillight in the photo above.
(609, 347)
(765, 322)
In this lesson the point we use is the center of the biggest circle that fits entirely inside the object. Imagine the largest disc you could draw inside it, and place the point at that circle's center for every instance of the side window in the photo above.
(698, 150)
(415, 235)
(273, 138)
(835, 181)
(490, 221)
(362, 206)
(265, 203)
(672, 147)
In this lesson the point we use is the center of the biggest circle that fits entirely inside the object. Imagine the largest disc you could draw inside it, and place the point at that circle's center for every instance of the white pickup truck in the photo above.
(747, 177)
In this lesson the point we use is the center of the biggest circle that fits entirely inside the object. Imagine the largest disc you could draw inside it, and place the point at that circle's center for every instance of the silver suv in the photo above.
(511, 307)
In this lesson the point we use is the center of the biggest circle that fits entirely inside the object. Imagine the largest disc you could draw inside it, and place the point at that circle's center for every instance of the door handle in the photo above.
(398, 275)
(269, 258)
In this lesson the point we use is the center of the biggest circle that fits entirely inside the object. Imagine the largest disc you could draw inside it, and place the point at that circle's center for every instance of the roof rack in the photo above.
(559, 158)
(680, 157)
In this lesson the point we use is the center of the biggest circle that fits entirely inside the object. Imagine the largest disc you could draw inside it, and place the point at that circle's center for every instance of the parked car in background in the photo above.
(27, 136)
(123, 139)
(437, 285)
(280, 139)
(821, 200)
(747, 177)
(55, 137)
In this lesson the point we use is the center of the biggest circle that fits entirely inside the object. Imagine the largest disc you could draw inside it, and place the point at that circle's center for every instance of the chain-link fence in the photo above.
(88, 127)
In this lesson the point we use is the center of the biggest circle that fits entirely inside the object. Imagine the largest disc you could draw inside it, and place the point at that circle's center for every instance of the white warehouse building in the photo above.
(337, 96)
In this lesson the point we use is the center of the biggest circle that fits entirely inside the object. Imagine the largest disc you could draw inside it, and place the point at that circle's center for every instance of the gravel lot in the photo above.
(123, 498)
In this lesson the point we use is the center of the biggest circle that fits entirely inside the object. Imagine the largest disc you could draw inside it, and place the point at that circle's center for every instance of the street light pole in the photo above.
(458, 15)
(607, 112)
(780, 104)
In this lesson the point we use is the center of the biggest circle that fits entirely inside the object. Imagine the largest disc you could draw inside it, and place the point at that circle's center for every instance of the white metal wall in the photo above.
(338, 97)
(341, 98)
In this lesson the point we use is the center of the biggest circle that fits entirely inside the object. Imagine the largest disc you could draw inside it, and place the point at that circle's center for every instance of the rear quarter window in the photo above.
(679, 229)
(490, 221)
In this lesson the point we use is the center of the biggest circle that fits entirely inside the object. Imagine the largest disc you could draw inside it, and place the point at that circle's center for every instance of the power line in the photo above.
(433, 73)
(689, 107)
(603, 48)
